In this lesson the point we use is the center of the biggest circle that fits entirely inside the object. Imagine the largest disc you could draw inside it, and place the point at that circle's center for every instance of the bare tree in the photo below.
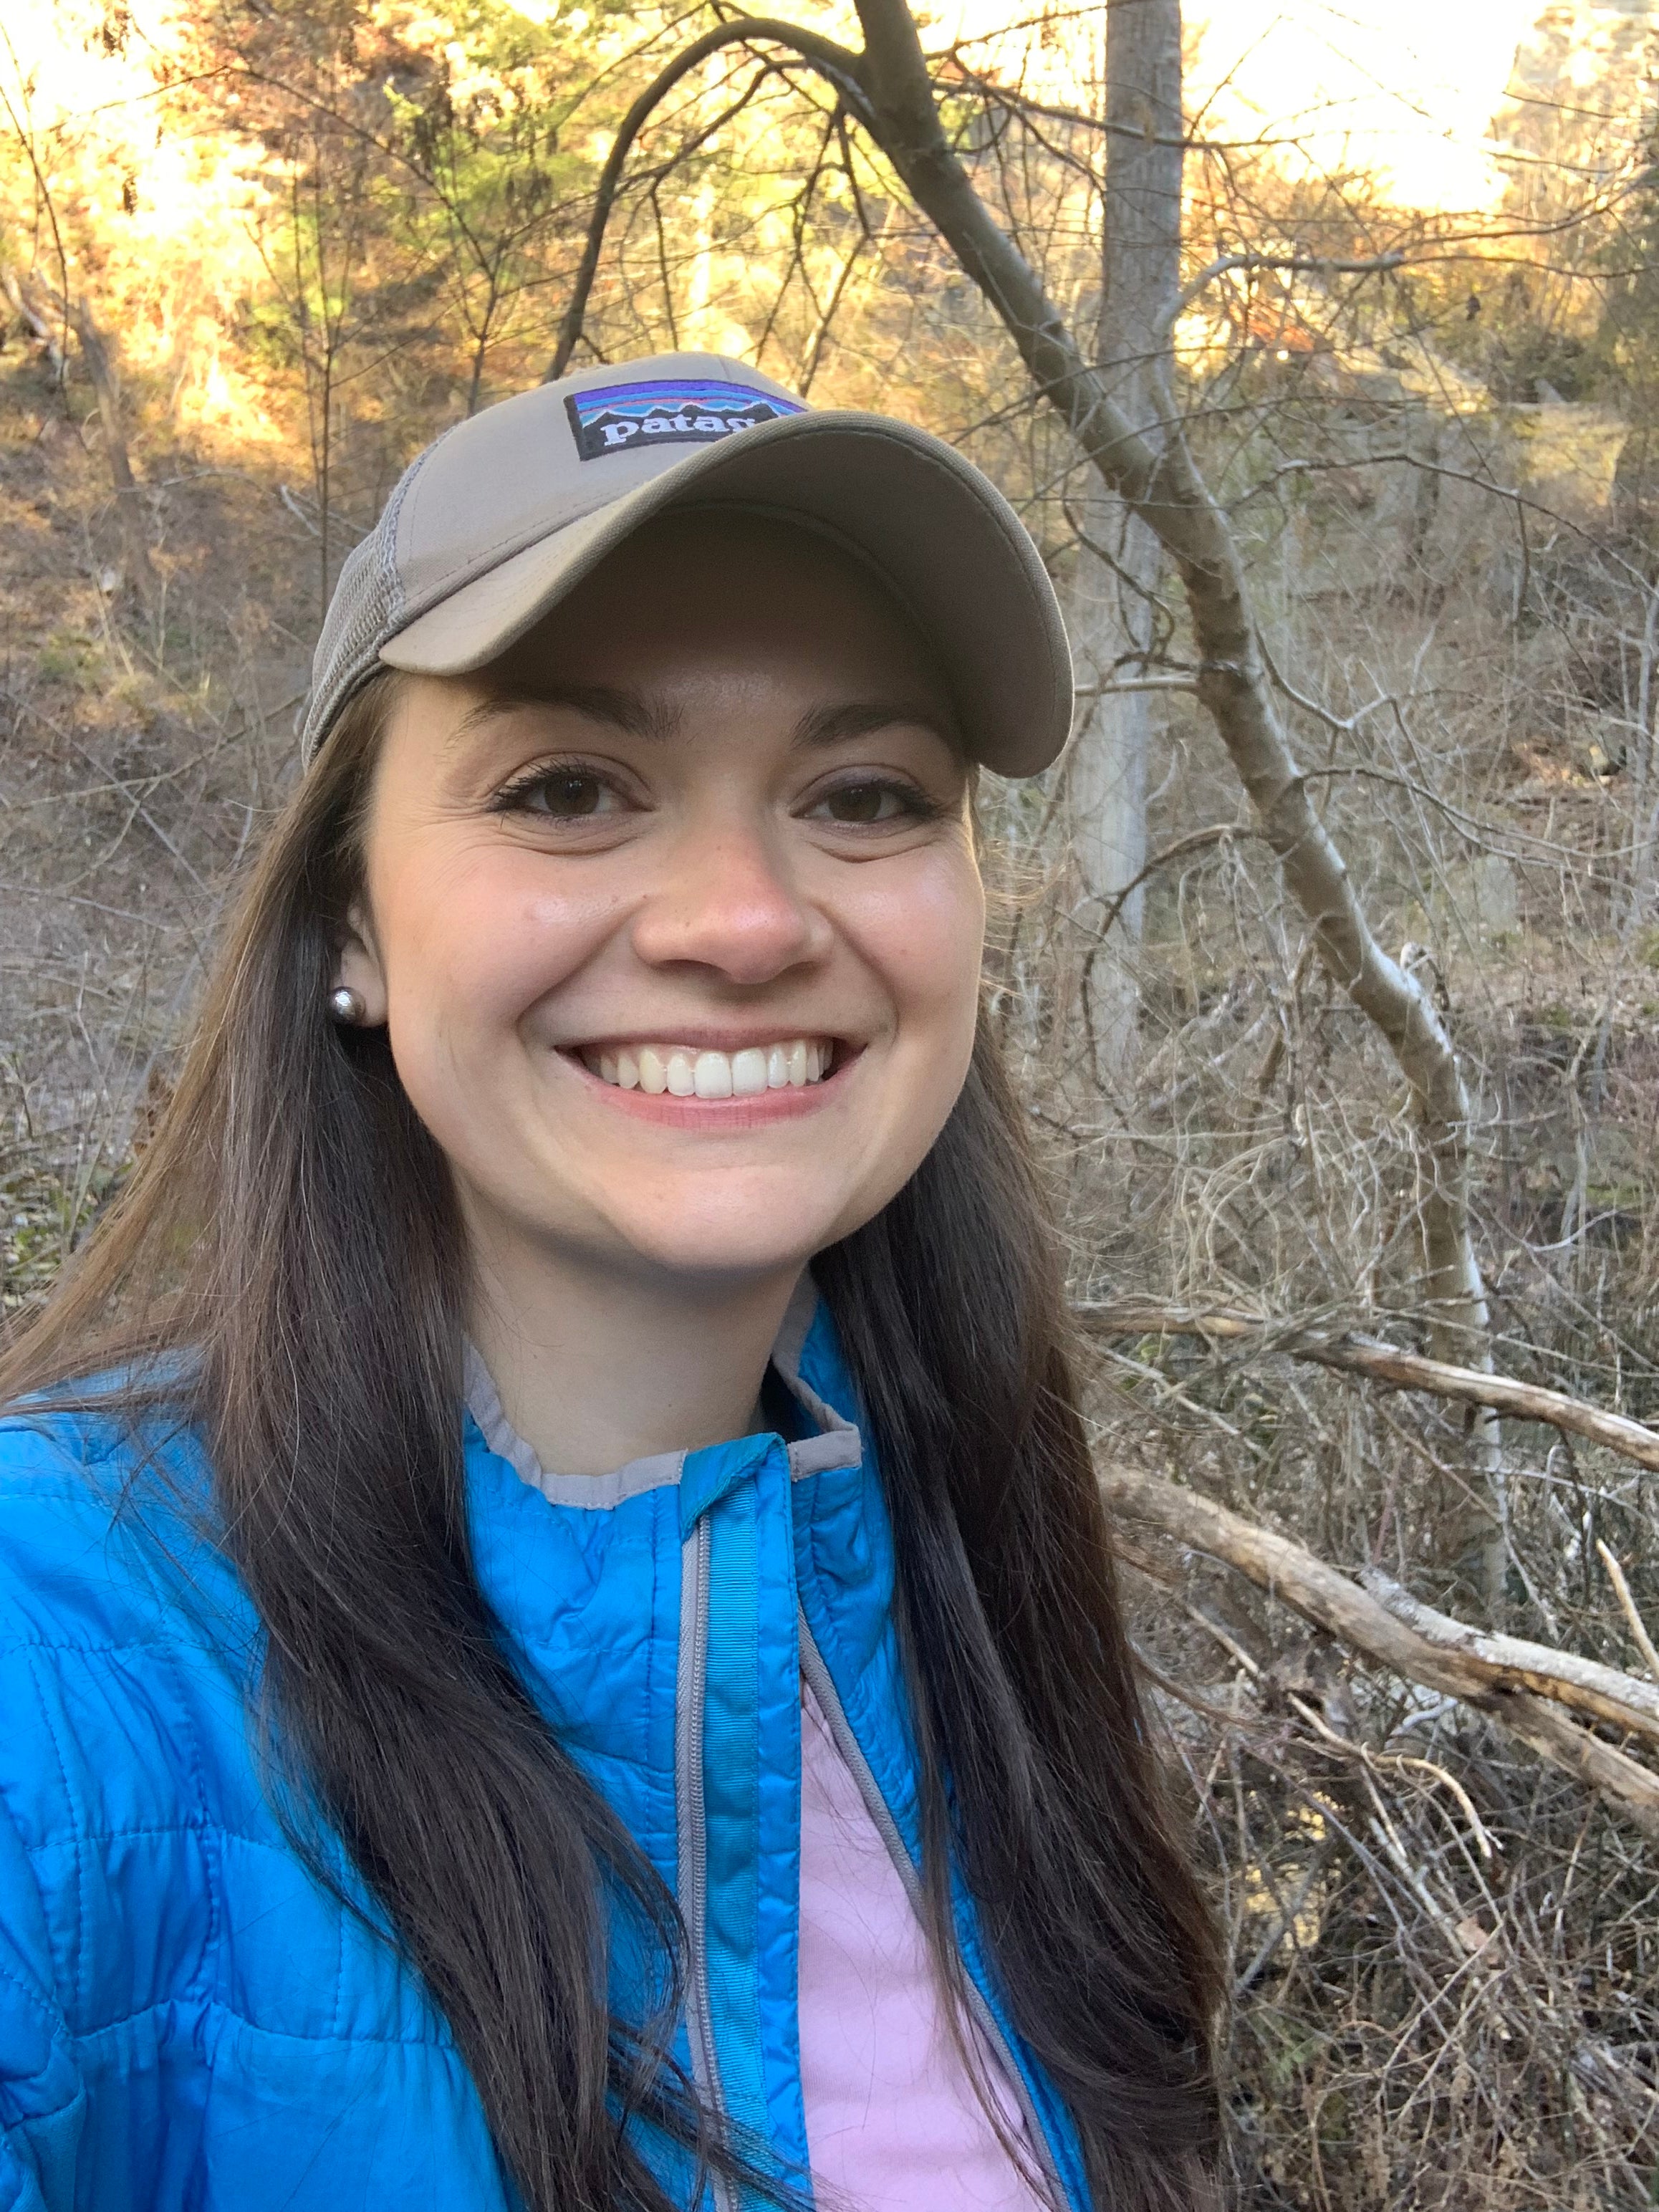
(1114, 599)
(1149, 466)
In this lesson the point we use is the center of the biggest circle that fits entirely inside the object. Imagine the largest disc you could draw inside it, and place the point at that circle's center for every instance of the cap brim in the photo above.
(948, 545)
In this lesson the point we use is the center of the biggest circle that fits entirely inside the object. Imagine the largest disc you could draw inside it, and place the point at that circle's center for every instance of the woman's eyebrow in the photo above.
(629, 711)
(825, 725)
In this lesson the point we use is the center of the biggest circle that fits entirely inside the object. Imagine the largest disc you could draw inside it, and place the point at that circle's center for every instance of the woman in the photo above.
(566, 1656)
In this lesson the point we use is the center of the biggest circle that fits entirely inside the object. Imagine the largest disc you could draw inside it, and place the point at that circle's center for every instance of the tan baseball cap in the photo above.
(500, 518)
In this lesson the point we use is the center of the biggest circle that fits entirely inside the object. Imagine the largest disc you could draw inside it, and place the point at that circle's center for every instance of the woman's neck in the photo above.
(596, 1367)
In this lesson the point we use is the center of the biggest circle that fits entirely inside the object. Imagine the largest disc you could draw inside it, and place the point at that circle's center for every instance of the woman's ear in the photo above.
(357, 967)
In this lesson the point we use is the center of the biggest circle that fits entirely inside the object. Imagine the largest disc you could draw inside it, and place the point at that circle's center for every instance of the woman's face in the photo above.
(673, 916)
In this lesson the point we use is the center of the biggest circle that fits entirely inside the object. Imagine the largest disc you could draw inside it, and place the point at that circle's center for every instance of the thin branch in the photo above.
(1314, 264)
(835, 62)
(1196, 840)
(1123, 686)
(1343, 726)
(1389, 1364)
(1638, 1627)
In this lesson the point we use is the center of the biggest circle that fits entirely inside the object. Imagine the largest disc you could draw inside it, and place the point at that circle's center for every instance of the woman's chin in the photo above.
(699, 1254)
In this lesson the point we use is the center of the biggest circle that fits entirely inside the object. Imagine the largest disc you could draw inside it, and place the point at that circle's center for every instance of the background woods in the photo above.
(1330, 962)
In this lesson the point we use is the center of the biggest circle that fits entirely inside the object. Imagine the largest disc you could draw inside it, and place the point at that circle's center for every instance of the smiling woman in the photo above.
(729, 844)
(568, 1654)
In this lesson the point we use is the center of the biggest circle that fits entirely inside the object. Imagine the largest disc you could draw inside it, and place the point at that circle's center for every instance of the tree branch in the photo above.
(837, 63)
(1533, 1700)
(1604, 1693)
(1196, 840)
(1638, 1627)
(1389, 1364)
(1312, 264)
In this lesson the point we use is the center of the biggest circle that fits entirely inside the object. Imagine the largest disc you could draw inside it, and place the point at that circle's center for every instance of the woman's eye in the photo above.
(868, 802)
(568, 795)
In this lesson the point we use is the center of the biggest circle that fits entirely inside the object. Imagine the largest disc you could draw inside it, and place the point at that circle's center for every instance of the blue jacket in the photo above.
(189, 2019)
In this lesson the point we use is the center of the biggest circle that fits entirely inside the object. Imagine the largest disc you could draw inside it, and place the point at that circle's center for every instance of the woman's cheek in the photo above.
(486, 944)
(924, 933)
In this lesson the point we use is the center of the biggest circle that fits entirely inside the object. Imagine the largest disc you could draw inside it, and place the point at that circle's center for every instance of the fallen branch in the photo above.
(1389, 1364)
(1531, 1690)
(1605, 1694)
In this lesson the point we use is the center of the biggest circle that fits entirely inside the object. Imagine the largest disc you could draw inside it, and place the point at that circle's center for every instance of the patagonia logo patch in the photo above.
(616, 418)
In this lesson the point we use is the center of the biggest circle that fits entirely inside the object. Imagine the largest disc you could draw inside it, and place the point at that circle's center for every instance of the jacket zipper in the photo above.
(823, 1689)
(690, 1684)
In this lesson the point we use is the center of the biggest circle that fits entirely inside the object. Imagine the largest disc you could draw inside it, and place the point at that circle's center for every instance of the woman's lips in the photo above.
(705, 1104)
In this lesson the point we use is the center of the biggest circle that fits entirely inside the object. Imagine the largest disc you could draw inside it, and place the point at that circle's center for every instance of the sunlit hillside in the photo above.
(160, 218)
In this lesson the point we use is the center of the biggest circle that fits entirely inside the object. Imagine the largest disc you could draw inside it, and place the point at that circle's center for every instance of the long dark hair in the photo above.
(293, 1224)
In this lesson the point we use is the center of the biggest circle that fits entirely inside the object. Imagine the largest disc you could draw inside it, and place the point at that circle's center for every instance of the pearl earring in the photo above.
(347, 1005)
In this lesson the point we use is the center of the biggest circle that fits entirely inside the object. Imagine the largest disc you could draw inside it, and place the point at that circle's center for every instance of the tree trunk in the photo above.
(1116, 580)
(129, 504)
(1160, 482)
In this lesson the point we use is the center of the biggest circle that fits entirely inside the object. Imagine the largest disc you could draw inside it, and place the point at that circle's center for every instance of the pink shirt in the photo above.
(892, 2121)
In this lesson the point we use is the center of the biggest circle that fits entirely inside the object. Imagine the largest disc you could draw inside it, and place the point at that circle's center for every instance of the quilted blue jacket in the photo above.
(189, 2019)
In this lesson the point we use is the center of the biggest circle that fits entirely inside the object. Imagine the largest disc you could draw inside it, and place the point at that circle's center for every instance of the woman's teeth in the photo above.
(685, 1072)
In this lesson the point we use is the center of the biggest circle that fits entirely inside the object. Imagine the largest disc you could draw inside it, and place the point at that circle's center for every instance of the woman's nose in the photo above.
(726, 900)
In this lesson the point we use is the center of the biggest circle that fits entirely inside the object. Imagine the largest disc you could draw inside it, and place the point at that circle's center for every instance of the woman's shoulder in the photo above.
(105, 1517)
(125, 1637)
(124, 1764)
